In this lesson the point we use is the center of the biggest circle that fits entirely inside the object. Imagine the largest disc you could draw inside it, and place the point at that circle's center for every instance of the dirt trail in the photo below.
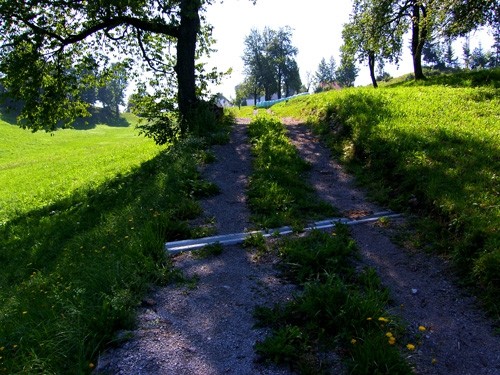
(460, 339)
(206, 328)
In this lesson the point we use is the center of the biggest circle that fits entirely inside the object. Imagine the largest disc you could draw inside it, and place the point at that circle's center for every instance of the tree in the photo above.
(269, 60)
(282, 54)
(466, 52)
(347, 71)
(479, 59)
(291, 78)
(112, 94)
(434, 53)
(373, 33)
(459, 17)
(495, 54)
(326, 71)
(449, 55)
(45, 44)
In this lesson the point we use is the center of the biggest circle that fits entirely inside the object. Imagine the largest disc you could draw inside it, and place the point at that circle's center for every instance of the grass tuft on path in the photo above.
(278, 191)
(337, 310)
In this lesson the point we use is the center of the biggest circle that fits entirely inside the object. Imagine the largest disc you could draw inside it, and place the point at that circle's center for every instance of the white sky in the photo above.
(317, 33)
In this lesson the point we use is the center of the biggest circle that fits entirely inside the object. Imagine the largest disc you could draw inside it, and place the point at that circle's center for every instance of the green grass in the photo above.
(429, 147)
(336, 310)
(39, 169)
(77, 257)
(278, 193)
(248, 111)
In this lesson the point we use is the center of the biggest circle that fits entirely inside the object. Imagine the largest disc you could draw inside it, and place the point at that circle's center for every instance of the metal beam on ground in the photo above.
(235, 238)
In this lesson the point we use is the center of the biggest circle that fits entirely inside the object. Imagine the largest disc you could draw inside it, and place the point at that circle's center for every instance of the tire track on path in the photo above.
(460, 339)
(206, 327)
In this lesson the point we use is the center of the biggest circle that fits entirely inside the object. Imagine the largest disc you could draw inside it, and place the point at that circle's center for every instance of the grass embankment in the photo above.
(337, 309)
(38, 169)
(278, 193)
(78, 255)
(428, 148)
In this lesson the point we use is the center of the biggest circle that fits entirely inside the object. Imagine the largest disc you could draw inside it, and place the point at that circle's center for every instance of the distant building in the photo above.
(251, 100)
(222, 101)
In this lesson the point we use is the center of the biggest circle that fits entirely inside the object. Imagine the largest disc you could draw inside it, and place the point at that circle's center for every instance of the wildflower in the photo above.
(354, 341)
(410, 347)
(434, 361)
(383, 320)
(2, 348)
(422, 328)
(392, 340)
(389, 334)
(91, 365)
(368, 318)
(25, 312)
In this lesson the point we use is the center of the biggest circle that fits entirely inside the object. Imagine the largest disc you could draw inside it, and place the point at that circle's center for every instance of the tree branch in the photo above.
(150, 61)
(106, 24)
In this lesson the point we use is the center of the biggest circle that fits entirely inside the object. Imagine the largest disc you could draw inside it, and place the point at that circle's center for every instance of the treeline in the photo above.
(376, 29)
(98, 89)
(375, 35)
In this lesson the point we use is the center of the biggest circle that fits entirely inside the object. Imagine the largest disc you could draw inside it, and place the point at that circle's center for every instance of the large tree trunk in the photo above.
(419, 35)
(280, 77)
(185, 67)
(371, 65)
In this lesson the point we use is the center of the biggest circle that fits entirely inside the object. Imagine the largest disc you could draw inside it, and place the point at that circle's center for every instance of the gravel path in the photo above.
(205, 327)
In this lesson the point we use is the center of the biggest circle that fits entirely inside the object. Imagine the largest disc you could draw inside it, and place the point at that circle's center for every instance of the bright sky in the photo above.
(317, 33)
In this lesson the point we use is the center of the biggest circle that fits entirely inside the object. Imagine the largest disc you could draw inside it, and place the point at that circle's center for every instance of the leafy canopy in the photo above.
(47, 45)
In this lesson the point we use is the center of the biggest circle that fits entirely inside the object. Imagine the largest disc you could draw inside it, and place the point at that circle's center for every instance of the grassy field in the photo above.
(84, 219)
(39, 169)
(431, 148)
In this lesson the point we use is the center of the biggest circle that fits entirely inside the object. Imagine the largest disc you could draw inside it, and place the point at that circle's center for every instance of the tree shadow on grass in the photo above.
(79, 265)
(100, 116)
(451, 174)
(472, 78)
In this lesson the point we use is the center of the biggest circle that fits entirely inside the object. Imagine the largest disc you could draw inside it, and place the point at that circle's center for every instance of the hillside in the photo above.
(429, 148)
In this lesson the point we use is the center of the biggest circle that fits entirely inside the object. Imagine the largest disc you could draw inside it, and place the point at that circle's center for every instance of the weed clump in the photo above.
(336, 310)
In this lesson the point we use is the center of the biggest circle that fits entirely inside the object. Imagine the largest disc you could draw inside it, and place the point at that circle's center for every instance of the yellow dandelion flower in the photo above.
(382, 319)
(91, 365)
(434, 361)
(354, 341)
(368, 318)
(392, 340)
(422, 328)
(410, 347)
(389, 334)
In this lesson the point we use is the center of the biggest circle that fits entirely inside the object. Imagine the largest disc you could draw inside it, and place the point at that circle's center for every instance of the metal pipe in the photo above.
(235, 238)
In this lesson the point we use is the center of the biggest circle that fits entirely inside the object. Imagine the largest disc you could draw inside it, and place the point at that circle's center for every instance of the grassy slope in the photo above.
(434, 145)
(37, 169)
(75, 262)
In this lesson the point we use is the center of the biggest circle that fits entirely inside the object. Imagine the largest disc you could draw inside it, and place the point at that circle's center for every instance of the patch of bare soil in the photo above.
(206, 325)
